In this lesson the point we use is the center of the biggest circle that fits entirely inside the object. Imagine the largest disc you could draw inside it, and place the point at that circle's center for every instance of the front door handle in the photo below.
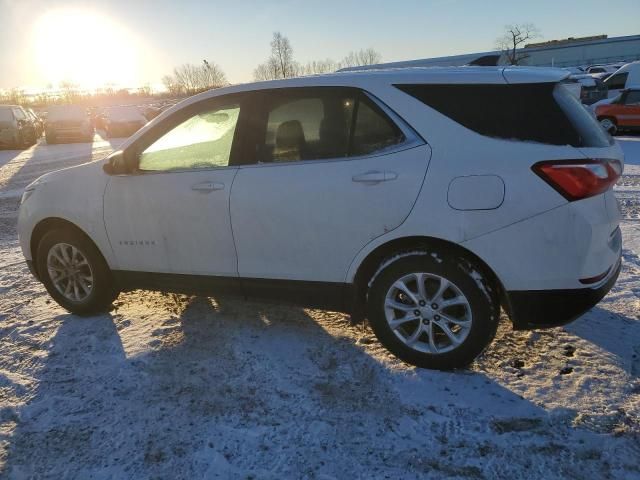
(374, 177)
(207, 186)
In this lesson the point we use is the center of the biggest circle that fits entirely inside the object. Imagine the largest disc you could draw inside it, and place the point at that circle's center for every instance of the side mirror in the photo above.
(119, 163)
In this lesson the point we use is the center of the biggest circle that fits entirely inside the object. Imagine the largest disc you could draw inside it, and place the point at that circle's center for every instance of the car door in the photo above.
(334, 169)
(172, 214)
(629, 115)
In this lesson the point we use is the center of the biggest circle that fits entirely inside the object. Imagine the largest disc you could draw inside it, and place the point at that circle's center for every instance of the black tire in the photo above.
(482, 303)
(103, 291)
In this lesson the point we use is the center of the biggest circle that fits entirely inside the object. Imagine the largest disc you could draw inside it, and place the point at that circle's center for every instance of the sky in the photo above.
(132, 42)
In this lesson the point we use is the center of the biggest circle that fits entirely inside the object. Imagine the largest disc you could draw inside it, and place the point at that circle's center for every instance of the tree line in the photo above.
(189, 79)
(281, 63)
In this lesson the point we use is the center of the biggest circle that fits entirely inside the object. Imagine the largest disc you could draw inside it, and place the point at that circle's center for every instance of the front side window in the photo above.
(323, 123)
(19, 114)
(616, 81)
(202, 141)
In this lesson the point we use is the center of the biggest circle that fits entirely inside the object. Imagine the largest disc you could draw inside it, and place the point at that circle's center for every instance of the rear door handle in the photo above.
(374, 177)
(207, 186)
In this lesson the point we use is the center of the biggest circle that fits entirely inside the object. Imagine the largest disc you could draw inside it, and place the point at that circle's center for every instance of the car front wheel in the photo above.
(433, 311)
(74, 272)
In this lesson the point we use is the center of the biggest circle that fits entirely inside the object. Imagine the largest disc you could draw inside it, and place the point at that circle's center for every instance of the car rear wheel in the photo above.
(74, 272)
(609, 124)
(433, 311)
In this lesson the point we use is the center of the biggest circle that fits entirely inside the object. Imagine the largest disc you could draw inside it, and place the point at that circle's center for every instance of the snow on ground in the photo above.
(171, 386)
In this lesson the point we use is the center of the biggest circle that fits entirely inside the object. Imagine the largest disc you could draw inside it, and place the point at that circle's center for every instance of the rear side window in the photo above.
(373, 131)
(616, 81)
(539, 112)
(322, 123)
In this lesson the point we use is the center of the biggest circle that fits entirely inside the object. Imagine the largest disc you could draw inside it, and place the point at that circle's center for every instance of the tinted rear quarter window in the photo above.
(538, 112)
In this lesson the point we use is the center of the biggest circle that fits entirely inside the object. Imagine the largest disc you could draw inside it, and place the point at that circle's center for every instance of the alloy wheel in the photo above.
(70, 272)
(428, 313)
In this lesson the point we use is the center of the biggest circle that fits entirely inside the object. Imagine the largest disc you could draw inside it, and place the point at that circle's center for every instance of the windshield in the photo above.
(70, 112)
(589, 131)
(5, 115)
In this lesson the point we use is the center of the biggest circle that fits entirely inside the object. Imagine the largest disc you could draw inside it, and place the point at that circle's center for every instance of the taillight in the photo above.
(578, 179)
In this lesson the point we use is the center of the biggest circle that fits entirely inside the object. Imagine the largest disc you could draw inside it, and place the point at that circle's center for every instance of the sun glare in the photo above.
(85, 48)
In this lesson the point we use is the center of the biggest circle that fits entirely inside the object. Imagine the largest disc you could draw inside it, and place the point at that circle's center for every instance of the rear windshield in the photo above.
(66, 113)
(537, 112)
(5, 115)
(124, 113)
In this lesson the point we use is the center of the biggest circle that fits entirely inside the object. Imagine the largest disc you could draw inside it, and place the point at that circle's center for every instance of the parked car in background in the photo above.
(422, 199)
(17, 129)
(591, 89)
(621, 113)
(607, 69)
(626, 76)
(123, 121)
(37, 121)
(151, 112)
(66, 123)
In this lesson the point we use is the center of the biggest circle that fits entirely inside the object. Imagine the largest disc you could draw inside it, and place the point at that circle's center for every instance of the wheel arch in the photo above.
(52, 223)
(369, 266)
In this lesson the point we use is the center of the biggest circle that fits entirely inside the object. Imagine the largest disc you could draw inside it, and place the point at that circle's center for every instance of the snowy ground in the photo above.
(170, 386)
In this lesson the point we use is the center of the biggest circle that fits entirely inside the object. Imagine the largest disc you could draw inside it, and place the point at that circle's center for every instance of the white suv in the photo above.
(422, 199)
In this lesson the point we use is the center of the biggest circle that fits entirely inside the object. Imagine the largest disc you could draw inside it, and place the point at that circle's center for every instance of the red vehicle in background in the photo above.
(621, 113)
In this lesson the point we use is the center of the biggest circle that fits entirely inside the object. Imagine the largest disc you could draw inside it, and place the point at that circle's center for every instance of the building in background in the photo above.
(571, 52)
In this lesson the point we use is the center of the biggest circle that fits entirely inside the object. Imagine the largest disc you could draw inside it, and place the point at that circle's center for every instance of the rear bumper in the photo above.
(530, 309)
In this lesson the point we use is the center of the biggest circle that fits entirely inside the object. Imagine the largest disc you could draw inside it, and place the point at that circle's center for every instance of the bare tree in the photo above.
(171, 85)
(282, 51)
(190, 79)
(514, 38)
(359, 58)
(69, 91)
(212, 76)
(280, 63)
(315, 67)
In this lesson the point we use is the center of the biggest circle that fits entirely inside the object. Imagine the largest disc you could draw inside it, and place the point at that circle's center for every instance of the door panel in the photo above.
(308, 220)
(171, 223)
